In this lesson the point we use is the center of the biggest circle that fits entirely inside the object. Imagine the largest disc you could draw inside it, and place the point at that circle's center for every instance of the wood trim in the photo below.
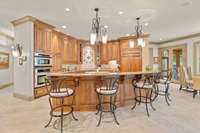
(6, 85)
(31, 19)
(6, 35)
(177, 39)
(23, 20)
(133, 37)
(23, 97)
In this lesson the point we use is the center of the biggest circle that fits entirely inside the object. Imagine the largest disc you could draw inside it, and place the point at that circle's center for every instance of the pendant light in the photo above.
(98, 33)
(138, 29)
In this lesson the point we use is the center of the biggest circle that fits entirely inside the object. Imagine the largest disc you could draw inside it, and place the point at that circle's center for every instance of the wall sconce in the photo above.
(17, 52)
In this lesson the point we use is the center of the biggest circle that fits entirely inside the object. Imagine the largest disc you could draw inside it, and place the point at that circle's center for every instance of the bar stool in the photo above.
(162, 86)
(107, 87)
(147, 86)
(60, 89)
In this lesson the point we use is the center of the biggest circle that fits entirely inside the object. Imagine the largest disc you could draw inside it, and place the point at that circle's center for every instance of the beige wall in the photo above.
(188, 45)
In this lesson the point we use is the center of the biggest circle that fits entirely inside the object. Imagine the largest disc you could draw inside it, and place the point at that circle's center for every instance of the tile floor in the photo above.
(183, 116)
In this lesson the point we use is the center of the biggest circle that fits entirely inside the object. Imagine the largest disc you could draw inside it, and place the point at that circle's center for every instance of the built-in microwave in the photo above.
(41, 60)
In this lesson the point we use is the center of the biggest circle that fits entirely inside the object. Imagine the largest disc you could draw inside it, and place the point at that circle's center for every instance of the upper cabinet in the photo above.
(131, 56)
(113, 51)
(70, 51)
(103, 54)
(110, 51)
(39, 38)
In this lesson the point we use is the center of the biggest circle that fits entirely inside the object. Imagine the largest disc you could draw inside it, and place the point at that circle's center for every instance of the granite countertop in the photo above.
(101, 73)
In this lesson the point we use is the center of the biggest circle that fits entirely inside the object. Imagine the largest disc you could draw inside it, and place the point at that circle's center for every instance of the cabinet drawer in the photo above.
(39, 92)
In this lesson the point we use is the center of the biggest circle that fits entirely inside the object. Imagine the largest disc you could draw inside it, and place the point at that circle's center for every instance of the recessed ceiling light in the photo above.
(146, 24)
(120, 12)
(127, 34)
(106, 26)
(67, 9)
(64, 26)
(160, 39)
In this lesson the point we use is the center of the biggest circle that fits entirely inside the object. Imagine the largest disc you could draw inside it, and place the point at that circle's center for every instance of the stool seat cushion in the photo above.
(64, 92)
(105, 91)
(146, 86)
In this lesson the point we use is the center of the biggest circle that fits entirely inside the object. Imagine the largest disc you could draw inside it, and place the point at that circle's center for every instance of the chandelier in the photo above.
(138, 29)
(98, 32)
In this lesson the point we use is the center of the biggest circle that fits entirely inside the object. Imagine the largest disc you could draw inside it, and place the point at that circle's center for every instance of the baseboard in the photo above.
(6, 85)
(23, 97)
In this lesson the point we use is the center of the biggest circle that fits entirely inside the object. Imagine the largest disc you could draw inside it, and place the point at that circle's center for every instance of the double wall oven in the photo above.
(42, 66)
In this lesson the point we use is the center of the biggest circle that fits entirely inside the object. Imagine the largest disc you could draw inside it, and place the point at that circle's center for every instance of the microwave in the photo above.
(41, 60)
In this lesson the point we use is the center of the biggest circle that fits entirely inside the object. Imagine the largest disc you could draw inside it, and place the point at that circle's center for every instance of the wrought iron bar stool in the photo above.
(162, 85)
(143, 90)
(59, 89)
(107, 87)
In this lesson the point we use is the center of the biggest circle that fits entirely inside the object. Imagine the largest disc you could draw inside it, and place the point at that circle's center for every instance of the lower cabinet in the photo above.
(39, 92)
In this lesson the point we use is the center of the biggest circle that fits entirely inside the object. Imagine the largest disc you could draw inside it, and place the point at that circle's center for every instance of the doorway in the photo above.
(177, 62)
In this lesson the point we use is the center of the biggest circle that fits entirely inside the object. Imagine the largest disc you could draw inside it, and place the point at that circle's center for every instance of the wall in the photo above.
(23, 74)
(6, 75)
(154, 53)
(190, 53)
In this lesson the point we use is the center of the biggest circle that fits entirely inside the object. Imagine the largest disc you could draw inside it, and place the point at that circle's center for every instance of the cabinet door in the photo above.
(57, 61)
(71, 52)
(57, 42)
(48, 41)
(104, 54)
(135, 64)
(115, 51)
(125, 64)
(64, 51)
(39, 37)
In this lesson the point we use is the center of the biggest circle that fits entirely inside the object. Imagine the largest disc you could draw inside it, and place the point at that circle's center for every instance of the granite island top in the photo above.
(101, 73)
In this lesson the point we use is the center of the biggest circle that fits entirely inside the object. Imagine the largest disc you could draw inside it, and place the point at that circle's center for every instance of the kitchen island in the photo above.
(85, 96)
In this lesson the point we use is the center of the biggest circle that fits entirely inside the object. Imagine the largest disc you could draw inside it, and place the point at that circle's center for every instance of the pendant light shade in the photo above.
(93, 38)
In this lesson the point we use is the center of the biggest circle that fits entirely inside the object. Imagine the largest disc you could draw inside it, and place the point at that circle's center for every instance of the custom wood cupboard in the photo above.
(110, 51)
(131, 58)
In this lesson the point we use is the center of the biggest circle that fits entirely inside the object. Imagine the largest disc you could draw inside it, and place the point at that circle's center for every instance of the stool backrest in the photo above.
(109, 83)
(53, 84)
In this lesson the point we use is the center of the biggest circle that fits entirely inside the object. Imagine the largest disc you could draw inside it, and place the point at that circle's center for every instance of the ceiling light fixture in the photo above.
(98, 32)
(138, 29)
(120, 12)
(146, 24)
(67, 9)
(64, 27)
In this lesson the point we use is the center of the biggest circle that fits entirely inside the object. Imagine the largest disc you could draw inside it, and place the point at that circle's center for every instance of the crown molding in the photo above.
(30, 19)
(176, 39)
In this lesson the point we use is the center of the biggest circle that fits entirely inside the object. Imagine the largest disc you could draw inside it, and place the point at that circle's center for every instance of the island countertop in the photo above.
(101, 73)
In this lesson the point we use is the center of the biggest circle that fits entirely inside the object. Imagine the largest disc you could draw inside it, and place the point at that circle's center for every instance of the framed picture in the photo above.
(4, 60)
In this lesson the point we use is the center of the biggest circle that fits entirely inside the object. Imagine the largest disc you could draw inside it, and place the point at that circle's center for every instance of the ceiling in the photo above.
(166, 19)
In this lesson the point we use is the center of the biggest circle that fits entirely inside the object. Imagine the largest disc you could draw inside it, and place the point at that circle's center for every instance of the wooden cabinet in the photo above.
(103, 54)
(57, 42)
(110, 51)
(70, 51)
(39, 92)
(131, 58)
(56, 62)
(113, 51)
(42, 39)
(39, 37)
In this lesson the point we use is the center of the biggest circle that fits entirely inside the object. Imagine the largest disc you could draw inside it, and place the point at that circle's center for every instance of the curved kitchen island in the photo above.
(85, 96)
